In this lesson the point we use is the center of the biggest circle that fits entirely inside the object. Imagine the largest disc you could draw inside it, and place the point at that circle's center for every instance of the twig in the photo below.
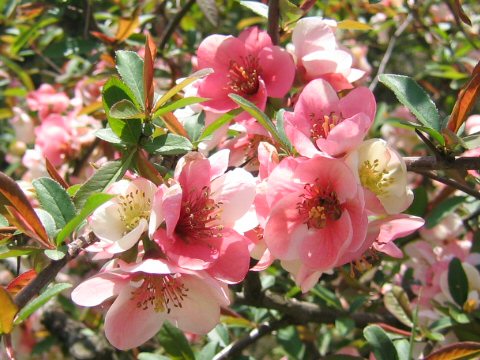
(451, 183)
(50, 272)
(389, 51)
(238, 346)
(432, 163)
(273, 20)
(173, 24)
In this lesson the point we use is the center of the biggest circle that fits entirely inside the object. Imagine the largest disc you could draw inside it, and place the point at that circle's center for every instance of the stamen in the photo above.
(133, 207)
(373, 179)
(322, 126)
(244, 78)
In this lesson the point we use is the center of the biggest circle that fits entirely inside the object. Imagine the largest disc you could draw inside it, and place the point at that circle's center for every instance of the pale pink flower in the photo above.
(449, 228)
(205, 211)
(382, 172)
(120, 222)
(472, 125)
(23, 126)
(248, 65)
(148, 293)
(319, 56)
(46, 100)
(316, 212)
(321, 122)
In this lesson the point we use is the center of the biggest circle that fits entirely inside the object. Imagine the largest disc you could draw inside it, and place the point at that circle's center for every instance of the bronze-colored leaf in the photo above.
(174, 125)
(147, 170)
(150, 55)
(105, 38)
(15, 206)
(126, 26)
(8, 312)
(465, 101)
(458, 10)
(17, 284)
(54, 174)
(455, 351)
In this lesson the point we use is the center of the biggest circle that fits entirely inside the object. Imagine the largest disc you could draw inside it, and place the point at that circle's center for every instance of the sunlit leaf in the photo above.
(178, 104)
(455, 351)
(353, 25)
(127, 26)
(20, 282)
(148, 70)
(210, 10)
(8, 312)
(52, 171)
(168, 144)
(172, 124)
(257, 7)
(396, 301)
(218, 123)
(130, 68)
(125, 109)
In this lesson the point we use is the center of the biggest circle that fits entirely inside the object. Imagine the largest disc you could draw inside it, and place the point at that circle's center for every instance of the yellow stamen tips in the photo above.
(322, 126)
(244, 77)
(133, 208)
(470, 305)
(373, 179)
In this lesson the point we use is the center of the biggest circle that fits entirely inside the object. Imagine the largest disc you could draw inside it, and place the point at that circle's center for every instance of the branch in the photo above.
(49, 273)
(426, 163)
(173, 24)
(273, 20)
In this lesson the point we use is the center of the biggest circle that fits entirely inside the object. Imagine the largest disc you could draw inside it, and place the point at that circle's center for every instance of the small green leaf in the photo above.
(93, 202)
(414, 97)
(30, 34)
(72, 190)
(38, 302)
(174, 342)
(48, 222)
(130, 68)
(55, 255)
(457, 282)
(396, 301)
(257, 7)
(54, 199)
(403, 348)
(217, 124)
(208, 352)
(125, 109)
(168, 144)
(108, 135)
(443, 209)
(14, 251)
(178, 105)
(194, 125)
(381, 344)
(328, 296)
(432, 132)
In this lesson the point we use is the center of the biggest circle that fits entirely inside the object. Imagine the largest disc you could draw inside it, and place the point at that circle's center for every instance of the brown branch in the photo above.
(451, 183)
(169, 30)
(426, 163)
(274, 20)
(49, 273)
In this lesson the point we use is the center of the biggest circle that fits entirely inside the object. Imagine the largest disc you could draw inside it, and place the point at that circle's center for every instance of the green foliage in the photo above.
(168, 144)
(175, 343)
(382, 346)
(457, 282)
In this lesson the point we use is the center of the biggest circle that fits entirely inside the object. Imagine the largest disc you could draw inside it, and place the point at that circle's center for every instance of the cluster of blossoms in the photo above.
(174, 248)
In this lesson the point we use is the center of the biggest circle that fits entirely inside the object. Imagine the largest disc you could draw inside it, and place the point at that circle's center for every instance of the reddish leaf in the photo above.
(150, 54)
(455, 351)
(55, 175)
(457, 9)
(20, 211)
(465, 101)
(17, 284)
(174, 125)
(147, 170)
(126, 26)
(105, 38)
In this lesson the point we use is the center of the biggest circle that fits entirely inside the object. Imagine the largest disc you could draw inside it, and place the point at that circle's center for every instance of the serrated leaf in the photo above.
(174, 342)
(457, 282)
(396, 301)
(381, 344)
(443, 209)
(353, 25)
(8, 312)
(93, 202)
(180, 86)
(54, 199)
(257, 7)
(456, 351)
(47, 221)
(22, 280)
(125, 109)
(414, 97)
(168, 144)
(130, 68)
(102, 179)
(52, 171)
(19, 211)
(39, 301)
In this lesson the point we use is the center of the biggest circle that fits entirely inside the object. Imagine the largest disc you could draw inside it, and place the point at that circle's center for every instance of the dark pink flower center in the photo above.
(319, 206)
(244, 75)
(322, 125)
(160, 291)
(199, 218)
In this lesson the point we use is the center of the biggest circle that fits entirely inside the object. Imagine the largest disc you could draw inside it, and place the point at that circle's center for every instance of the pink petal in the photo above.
(317, 98)
(255, 40)
(271, 60)
(171, 207)
(216, 51)
(215, 87)
(151, 266)
(192, 255)
(323, 62)
(97, 289)
(194, 174)
(218, 163)
(359, 100)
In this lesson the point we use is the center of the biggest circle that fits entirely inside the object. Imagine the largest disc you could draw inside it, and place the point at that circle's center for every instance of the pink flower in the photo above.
(319, 56)
(250, 66)
(204, 212)
(54, 138)
(321, 122)
(148, 293)
(46, 100)
(316, 212)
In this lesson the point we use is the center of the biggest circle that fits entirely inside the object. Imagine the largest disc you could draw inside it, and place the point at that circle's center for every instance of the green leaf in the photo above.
(257, 7)
(472, 141)
(396, 301)
(381, 344)
(14, 251)
(194, 125)
(259, 115)
(174, 342)
(150, 356)
(208, 352)
(168, 144)
(30, 34)
(125, 109)
(180, 86)
(38, 302)
(108, 135)
(130, 68)
(217, 124)
(403, 348)
(328, 296)
(102, 179)
(55, 255)
(54, 199)
(3, 221)
(48, 222)
(18, 71)
(409, 125)
(281, 130)
(414, 97)
(178, 105)
(443, 209)
(93, 202)
(457, 282)
(72, 190)
(129, 130)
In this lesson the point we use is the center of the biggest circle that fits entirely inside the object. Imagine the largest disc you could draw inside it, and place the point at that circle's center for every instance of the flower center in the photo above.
(374, 179)
(322, 126)
(199, 218)
(244, 78)
(133, 207)
(160, 291)
(319, 206)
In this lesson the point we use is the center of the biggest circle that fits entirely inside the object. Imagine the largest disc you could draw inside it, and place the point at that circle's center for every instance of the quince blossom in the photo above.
(148, 293)
(46, 100)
